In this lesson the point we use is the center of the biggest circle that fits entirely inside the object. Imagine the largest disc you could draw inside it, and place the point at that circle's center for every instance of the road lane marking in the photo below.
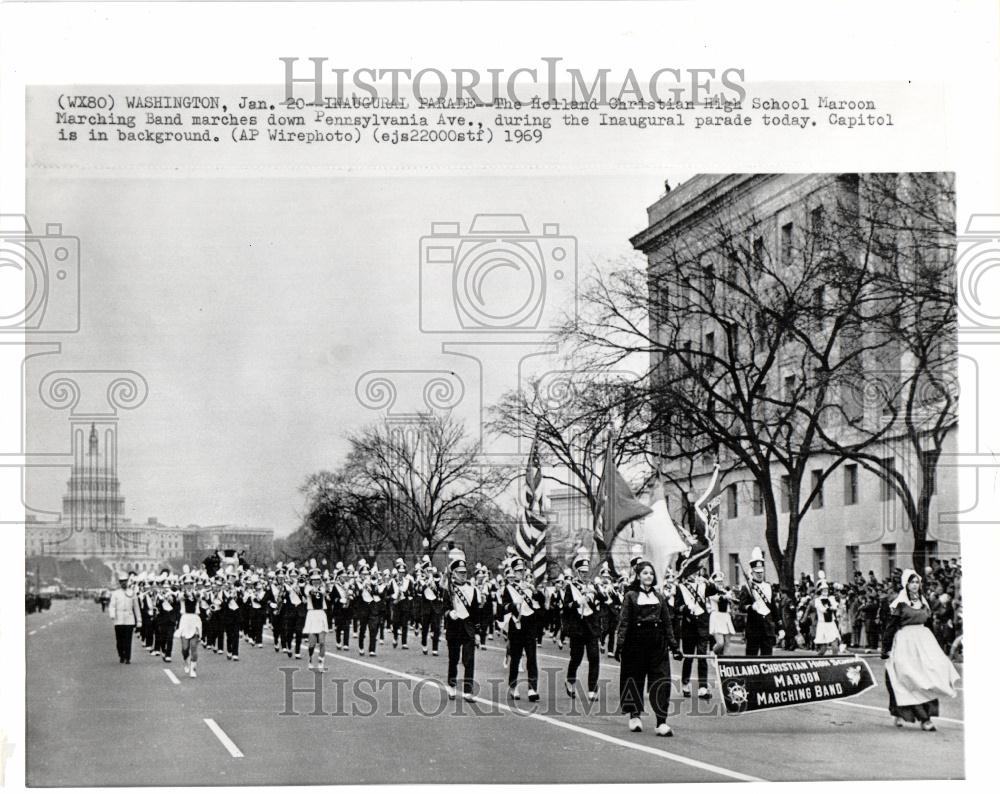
(569, 726)
(171, 676)
(220, 734)
(884, 710)
(32, 632)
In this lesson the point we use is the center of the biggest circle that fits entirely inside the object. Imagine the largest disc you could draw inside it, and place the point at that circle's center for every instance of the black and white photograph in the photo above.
(586, 424)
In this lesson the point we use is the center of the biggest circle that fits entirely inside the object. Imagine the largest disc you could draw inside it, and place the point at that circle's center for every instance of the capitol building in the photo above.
(95, 535)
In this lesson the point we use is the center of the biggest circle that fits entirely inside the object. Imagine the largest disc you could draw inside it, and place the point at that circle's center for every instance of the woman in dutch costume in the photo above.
(827, 630)
(316, 625)
(917, 671)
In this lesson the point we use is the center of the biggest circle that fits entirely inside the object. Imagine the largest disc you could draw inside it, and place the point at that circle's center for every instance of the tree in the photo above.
(571, 423)
(429, 473)
(759, 357)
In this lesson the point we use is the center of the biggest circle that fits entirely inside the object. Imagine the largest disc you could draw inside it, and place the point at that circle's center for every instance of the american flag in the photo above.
(532, 529)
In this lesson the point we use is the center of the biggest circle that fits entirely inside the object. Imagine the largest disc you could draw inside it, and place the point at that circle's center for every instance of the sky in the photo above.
(253, 305)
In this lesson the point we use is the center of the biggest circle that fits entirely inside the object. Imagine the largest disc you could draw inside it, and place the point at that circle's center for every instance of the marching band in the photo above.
(627, 617)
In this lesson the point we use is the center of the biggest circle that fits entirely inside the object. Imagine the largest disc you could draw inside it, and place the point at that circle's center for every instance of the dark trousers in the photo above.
(430, 623)
(123, 641)
(371, 626)
(277, 628)
(231, 628)
(165, 637)
(612, 631)
(759, 642)
(645, 665)
(694, 641)
(291, 632)
(401, 620)
(577, 647)
(523, 640)
(461, 647)
(342, 628)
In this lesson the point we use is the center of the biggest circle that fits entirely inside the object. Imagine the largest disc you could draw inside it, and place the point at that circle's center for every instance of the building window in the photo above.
(853, 557)
(888, 558)
(851, 484)
(732, 506)
(786, 493)
(789, 388)
(758, 500)
(759, 252)
(817, 486)
(819, 562)
(887, 493)
(787, 232)
(734, 568)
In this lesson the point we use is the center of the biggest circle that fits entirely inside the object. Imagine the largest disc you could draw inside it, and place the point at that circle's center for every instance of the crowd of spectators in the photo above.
(863, 608)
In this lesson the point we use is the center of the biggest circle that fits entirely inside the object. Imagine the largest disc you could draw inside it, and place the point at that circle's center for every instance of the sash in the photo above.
(293, 597)
(167, 606)
(342, 594)
(694, 602)
(582, 601)
(463, 602)
(755, 589)
(430, 594)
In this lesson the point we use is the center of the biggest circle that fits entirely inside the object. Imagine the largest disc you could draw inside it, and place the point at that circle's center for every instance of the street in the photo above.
(94, 722)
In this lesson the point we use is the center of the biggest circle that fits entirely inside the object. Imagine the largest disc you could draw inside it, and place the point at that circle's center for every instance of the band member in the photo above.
(758, 602)
(212, 610)
(644, 637)
(581, 623)
(123, 610)
(482, 586)
(147, 607)
(341, 595)
(695, 593)
(316, 626)
(720, 621)
(370, 608)
(231, 605)
(294, 607)
(190, 626)
(521, 605)
(402, 603)
(166, 619)
(460, 626)
(432, 606)
(255, 600)
(275, 603)
(917, 672)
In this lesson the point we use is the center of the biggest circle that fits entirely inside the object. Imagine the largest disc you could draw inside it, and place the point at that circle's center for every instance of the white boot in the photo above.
(664, 730)
(193, 674)
(635, 725)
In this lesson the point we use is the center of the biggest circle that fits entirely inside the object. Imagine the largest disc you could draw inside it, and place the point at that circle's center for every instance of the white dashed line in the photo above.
(32, 632)
(171, 676)
(220, 734)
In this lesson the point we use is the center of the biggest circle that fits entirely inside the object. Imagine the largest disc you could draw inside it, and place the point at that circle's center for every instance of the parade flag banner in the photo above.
(663, 540)
(533, 526)
(617, 504)
(708, 505)
(757, 683)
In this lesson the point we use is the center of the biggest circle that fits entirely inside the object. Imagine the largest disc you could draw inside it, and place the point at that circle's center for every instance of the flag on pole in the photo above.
(663, 540)
(708, 506)
(533, 526)
(616, 504)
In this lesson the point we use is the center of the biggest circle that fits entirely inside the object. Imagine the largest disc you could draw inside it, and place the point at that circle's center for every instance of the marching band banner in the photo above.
(757, 683)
